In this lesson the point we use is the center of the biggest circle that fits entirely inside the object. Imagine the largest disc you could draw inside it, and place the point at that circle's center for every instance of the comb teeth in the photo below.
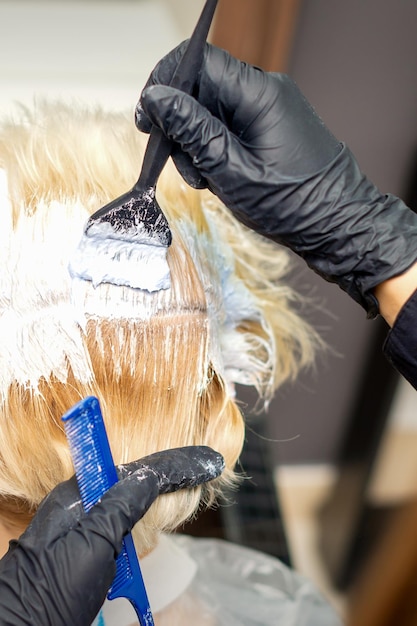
(123, 572)
(90, 450)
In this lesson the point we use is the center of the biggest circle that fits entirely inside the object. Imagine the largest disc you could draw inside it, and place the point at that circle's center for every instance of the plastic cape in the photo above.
(211, 582)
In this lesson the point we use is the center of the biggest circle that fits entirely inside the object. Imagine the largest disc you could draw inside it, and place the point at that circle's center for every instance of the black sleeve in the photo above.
(400, 347)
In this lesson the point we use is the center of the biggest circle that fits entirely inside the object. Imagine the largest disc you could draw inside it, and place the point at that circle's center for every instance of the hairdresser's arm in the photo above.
(257, 143)
(60, 569)
(398, 303)
(392, 294)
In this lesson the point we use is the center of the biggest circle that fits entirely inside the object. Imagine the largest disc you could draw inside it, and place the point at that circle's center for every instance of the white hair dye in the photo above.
(102, 259)
(44, 307)
(39, 331)
(229, 304)
(43, 311)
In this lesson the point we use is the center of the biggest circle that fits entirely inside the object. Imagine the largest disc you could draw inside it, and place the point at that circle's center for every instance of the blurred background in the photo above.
(334, 461)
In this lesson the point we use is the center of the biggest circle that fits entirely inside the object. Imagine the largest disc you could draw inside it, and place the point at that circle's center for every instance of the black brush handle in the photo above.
(188, 69)
(185, 77)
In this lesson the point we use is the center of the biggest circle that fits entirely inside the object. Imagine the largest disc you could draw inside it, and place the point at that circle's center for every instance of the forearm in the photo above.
(393, 293)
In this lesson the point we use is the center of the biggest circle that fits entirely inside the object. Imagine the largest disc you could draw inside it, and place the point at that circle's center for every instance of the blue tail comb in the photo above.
(96, 473)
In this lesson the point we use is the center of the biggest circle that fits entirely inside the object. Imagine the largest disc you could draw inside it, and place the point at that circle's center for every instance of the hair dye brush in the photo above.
(126, 241)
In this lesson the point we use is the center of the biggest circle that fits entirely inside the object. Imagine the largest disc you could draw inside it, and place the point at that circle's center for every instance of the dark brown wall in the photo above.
(357, 63)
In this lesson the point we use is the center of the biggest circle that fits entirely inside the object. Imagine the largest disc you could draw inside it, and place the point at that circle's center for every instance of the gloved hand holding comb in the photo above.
(60, 569)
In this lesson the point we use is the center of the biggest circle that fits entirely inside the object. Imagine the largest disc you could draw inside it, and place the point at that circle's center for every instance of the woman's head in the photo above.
(163, 364)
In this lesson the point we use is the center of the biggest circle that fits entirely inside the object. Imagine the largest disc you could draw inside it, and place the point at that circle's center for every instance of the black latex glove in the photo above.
(59, 571)
(255, 141)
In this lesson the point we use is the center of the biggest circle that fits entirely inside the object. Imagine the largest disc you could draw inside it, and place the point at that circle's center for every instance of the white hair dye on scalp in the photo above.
(39, 331)
(43, 311)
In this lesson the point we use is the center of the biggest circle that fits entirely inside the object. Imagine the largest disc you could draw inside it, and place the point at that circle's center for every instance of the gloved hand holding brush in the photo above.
(254, 140)
(59, 571)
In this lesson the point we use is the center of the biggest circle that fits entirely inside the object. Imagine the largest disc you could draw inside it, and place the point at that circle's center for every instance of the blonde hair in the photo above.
(164, 379)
